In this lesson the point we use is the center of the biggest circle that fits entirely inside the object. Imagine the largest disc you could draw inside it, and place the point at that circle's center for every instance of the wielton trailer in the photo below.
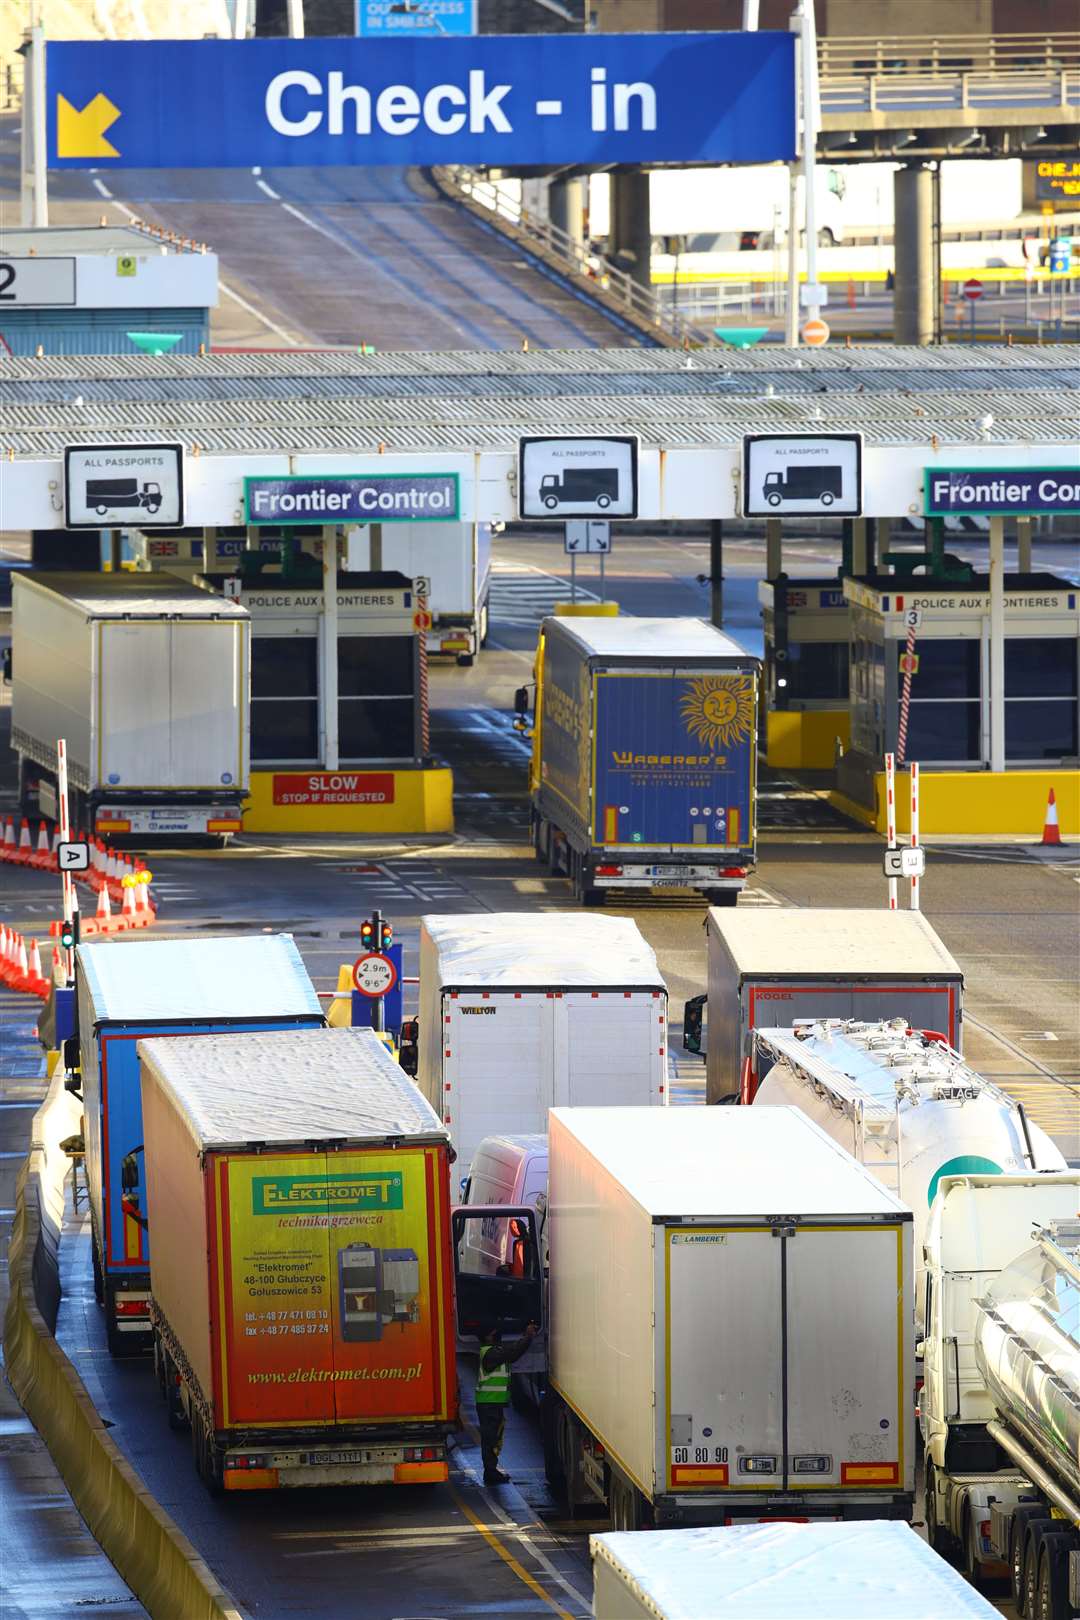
(126, 990)
(520, 1013)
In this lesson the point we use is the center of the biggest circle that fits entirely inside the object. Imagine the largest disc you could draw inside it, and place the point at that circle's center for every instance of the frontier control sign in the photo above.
(1001, 491)
(353, 498)
(586, 99)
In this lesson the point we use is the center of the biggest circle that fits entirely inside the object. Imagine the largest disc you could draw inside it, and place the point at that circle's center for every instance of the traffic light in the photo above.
(376, 934)
(69, 933)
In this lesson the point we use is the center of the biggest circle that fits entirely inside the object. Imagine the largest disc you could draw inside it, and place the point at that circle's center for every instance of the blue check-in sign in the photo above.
(353, 498)
(1000, 491)
(380, 18)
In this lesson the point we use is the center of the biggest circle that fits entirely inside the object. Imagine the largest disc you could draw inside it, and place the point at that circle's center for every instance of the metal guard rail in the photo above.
(573, 256)
(946, 55)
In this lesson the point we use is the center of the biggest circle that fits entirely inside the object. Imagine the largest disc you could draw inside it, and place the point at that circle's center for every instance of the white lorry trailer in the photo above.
(451, 564)
(729, 1309)
(779, 1572)
(907, 1107)
(1000, 1402)
(768, 968)
(524, 1012)
(147, 679)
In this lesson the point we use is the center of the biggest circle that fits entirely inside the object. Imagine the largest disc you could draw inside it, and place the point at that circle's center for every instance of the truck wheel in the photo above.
(972, 1563)
(1023, 1514)
(1052, 1592)
(938, 1537)
(549, 1429)
(1029, 1589)
(207, 1461)
(99, 1276)
(625, 1504)
(174, 1406)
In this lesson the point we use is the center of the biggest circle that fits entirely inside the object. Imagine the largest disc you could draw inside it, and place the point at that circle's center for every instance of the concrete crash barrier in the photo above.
(153, 1556)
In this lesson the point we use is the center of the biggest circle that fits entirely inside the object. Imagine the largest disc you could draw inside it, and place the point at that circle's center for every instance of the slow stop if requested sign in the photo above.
(374, 975)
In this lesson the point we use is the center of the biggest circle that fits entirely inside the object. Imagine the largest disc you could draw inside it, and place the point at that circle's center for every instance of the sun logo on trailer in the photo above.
(718, 710)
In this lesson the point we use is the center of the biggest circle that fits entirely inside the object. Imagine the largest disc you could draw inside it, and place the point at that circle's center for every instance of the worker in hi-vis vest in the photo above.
(492, 1394)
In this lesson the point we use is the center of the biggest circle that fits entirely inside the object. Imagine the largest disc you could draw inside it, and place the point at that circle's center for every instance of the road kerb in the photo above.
(153, 1556)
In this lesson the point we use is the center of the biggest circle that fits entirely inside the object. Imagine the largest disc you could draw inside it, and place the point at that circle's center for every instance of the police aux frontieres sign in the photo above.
(353, 498)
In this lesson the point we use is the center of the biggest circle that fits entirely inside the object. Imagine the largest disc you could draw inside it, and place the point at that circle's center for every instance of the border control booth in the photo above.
(949, 720)
(806, 671)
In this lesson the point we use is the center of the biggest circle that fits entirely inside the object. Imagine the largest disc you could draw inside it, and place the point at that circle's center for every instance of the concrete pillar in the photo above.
(913, 295)
(997, 644)
(858, 547)
(1023, 545)
(630, 233)
(328, 684)
(716, 572)
(566, 206)
(774, 560)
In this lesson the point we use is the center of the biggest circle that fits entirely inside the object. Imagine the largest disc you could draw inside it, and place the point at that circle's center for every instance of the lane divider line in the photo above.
(507, 1557)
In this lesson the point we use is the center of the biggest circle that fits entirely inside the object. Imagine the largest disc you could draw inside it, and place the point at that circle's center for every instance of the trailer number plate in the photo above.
(666, 871)
(327, 1459)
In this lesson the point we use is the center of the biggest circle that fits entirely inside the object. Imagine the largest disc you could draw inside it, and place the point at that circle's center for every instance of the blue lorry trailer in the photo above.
(644, 770)
(125, 991)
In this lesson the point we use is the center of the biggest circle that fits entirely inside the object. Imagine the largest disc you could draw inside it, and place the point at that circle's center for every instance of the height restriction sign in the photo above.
(374, 974)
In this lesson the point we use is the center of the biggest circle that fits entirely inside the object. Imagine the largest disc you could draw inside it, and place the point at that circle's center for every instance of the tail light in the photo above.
(733, 871)
(608, 871)
(131, 1307)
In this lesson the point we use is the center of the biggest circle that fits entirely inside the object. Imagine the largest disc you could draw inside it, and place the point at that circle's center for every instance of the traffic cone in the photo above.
(54, 852)
(130, 916)
(1051, 830)
(43, 854)
(58, 973)
(19, 975)
(7, 851)
(25, 852)
(37, 984)
(5, 953)
(101, 921)
(142, 898)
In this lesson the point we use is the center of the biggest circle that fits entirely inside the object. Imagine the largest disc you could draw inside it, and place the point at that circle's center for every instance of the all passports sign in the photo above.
(582, 99)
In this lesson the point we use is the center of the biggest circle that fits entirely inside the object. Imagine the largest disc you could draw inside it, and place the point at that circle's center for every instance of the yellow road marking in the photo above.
(508, 1558)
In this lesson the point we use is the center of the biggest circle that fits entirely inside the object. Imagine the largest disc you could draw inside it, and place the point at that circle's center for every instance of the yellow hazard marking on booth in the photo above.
(80, 133)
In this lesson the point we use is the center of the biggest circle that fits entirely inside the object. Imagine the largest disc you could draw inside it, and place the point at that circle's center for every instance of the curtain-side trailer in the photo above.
(126, 990)
(301, 1277)
(644, 772)
(147, 679)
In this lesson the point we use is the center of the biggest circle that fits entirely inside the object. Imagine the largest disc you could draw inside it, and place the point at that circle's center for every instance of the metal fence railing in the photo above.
(637, 302)
(11, 83)
(927, 74)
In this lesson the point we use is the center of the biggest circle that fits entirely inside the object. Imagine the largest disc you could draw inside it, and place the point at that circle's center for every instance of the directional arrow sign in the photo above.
(82, 134)
(586, 99)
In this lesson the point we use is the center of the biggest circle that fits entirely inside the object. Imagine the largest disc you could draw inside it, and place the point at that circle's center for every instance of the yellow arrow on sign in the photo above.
(82, 134)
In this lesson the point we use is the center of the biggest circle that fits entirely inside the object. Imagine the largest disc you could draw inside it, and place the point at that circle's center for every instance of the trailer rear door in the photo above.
(499, 1060)
(615, 1045)
(206, 704)
(134, 681)
(785, 1348)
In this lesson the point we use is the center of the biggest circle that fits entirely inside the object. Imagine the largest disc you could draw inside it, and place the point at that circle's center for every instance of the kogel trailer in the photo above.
(775, 966)
(302, 1296)
(729, 1319)
(524, 1011)
(645, 756)
(125, 991)
(147, 679)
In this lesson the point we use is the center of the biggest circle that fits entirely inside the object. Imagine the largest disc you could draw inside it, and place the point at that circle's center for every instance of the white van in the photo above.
(505, 1170)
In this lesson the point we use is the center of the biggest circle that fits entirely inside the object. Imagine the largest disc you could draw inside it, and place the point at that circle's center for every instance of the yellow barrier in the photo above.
(975, 803)
(155, 1559)
(805, 738)
(416, 801)
(339, 1012)
(586, 610)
